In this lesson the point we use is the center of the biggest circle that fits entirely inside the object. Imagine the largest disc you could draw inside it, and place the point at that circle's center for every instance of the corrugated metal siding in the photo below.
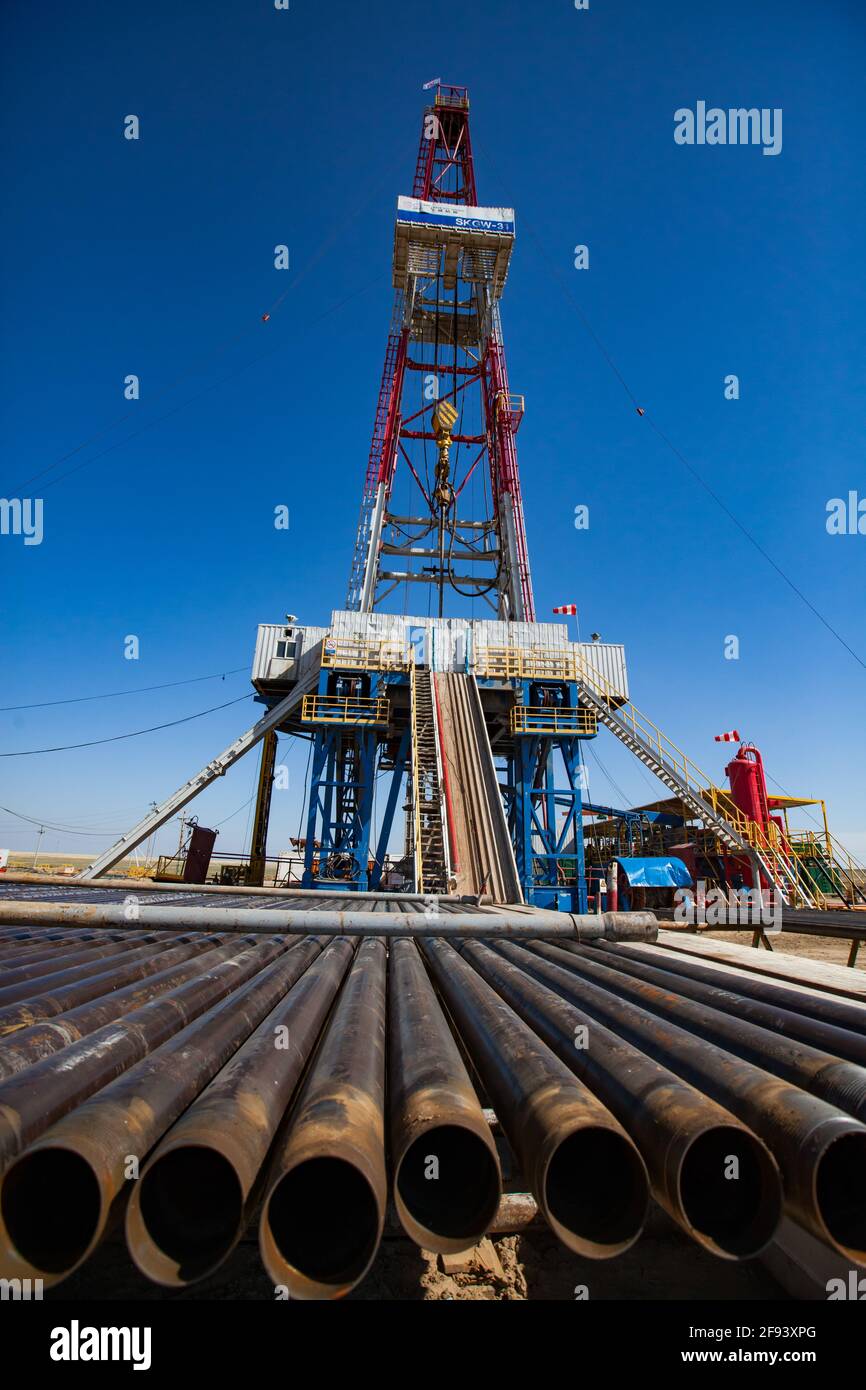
(458, 641)
(493, 633)
(268, 667)
(453, 644)
(608, 658)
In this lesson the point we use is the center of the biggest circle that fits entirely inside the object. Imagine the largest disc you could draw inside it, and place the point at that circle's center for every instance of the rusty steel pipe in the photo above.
(840, 1013)
(58, 1198)
(50, 941)
(195, 1196)
(39, 938)
(821, 1073)
(181, 963)
(687, 1141)
(65, 945)
(499, 921)
(19, 967)
(827, 1037)
(326, 1193)
(18, 991)
(33, 1099)
(584, 1171)
(447, 1182)
(821, 1152)
(59, 999)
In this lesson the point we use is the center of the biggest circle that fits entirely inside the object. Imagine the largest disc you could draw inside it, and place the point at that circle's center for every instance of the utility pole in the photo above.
(148, 853)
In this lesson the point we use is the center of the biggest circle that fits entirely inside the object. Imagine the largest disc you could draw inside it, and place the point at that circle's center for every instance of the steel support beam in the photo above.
(217, 767)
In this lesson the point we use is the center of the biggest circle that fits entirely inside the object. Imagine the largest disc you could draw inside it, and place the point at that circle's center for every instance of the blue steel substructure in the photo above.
(342, 782)
(544, 778)
(550, 858)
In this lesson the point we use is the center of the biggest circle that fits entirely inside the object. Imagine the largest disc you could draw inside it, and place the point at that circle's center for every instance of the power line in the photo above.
(619, 791)
(91, 743)
(554, 270)
(129, 414)
(754, 541)
(113, 694)
(808, 814)
(46, 825)
(324, 246)
(234, 813)
(205, 390)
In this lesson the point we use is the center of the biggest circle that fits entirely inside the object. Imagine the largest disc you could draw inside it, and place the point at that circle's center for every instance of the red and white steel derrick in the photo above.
(446, 329)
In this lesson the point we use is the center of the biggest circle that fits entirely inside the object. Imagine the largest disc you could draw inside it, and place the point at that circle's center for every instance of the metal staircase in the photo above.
(681, 776)
(835, 871)
(431, 858)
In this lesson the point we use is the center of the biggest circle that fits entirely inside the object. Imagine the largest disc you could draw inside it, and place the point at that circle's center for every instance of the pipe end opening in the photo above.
(323, 1223)
(730, 1192)
(191, 1210)
(839, 1193)
(51, 1207)
(448, 1185)
(597, 1192)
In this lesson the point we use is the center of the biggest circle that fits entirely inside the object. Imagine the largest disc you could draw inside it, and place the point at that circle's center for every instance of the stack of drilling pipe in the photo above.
(181, 1090)
(479, 829)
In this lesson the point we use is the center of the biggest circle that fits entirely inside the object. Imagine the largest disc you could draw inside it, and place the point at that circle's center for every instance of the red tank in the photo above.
(745, 773)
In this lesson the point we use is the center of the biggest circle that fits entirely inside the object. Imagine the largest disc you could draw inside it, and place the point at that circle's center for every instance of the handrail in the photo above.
(644, 728)
(516, 663)
(839, 851)
(837, 862)
(782, 869)
(349, 709)
(362, 654)
(553, 719)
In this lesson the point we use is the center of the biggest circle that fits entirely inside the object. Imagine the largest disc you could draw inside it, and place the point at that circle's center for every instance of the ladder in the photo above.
(431, 860)
(681, 776)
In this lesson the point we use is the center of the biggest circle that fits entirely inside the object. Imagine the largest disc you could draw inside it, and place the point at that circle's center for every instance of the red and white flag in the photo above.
(569, 608)
(732, 737)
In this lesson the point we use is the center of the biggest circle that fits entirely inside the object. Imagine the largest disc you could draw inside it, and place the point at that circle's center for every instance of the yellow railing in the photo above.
(522, 663)
(823, 842)
(350, 654)
(643, 727)
(452, 96)
(512, 406)
(838, 861)
(547, 719)
(768, 843)
(353, 709)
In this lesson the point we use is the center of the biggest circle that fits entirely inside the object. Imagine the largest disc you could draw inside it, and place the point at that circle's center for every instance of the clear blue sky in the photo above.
(261, 127)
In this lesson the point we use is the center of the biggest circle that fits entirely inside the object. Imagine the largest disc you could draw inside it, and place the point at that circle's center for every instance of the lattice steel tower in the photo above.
(445, 348)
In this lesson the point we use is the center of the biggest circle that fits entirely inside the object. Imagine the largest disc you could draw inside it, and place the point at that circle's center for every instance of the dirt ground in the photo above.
(535, 1266)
